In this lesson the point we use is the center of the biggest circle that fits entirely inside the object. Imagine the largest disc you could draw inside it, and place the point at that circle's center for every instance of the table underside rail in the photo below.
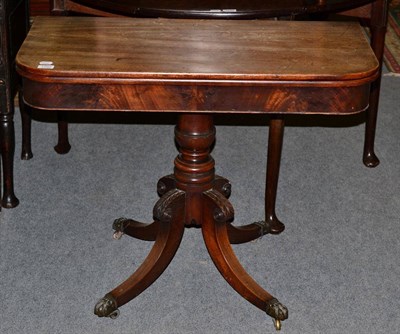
(290, 99)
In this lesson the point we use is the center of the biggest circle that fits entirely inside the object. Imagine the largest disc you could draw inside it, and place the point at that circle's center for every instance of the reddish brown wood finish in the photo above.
(198, 68)
(276, 127)
(208, 97)
(250, 66)
(170, 221)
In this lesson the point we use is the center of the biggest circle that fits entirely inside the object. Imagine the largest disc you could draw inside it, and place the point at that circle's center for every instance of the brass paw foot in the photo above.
(107, 307)
(118, 226)
(134, 229)
(270, 227)
(277, 311)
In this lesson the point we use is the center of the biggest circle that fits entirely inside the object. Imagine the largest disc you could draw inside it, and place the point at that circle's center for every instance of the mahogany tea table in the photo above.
(198, 68)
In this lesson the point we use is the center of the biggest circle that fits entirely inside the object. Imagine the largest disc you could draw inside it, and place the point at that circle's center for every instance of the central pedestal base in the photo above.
(194, 196)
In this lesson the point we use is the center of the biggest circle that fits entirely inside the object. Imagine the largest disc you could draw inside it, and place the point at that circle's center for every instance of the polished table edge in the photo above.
(198, 79)
(69, 87)
(207, 43)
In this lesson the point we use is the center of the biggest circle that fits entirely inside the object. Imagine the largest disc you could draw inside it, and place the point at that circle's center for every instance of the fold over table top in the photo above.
(126, 51)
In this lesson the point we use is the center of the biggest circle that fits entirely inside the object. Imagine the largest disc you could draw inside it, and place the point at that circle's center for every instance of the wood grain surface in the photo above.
(196, 49)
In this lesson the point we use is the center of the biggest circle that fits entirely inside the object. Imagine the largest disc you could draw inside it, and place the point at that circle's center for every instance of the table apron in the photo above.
(279, 98)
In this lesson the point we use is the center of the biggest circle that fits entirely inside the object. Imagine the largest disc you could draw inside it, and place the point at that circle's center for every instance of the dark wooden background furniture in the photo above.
(203, 9)
(39, 7)
(14, 23)
(189, 67)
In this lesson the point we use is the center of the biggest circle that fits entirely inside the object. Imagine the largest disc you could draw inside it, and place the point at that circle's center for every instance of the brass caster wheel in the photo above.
(118, 226)
(118, 235)
(277, 324)
(107, 307)
(114, 315)
(278, 312)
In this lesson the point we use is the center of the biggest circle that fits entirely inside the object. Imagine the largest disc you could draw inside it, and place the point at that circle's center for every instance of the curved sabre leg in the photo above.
(169, 212)
(246, 233)
(217, 211)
